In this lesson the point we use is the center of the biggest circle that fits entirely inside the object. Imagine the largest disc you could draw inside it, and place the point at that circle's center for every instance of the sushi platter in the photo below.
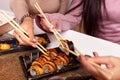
(29, 62)
(37, 65)
(11, 45)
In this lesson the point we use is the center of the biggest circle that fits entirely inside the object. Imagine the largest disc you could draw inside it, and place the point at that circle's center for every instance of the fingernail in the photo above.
(34, 46)
(51, 26)
(34, 40)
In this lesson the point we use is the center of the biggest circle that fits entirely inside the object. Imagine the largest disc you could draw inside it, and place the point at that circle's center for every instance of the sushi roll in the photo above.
(36, 70)
(52, 53)
(64, 58)
(41, 40)
(49, 67)
(59, 62)
(5, 46)
(65, 44)
(45, 57)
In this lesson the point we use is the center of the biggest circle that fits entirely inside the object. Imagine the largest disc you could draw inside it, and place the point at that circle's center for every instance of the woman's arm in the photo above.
(19, 7)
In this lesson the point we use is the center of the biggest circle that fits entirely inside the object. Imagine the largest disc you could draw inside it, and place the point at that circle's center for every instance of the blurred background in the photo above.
(4, 4)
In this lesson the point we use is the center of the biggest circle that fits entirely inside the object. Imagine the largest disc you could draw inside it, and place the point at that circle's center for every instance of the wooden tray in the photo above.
(73, 64)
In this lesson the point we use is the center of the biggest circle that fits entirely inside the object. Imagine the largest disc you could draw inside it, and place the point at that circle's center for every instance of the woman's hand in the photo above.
(48, 27)
(112, 64)
(28, 26)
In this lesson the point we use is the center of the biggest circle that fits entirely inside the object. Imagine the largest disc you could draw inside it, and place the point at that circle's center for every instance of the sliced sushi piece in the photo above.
(36, 70)
(41, 40)
(5, 46)
(52, 53)
(45, 57)
(49, 66)
(37, 63)
(59, 62)
(68, 45)
(64, 58)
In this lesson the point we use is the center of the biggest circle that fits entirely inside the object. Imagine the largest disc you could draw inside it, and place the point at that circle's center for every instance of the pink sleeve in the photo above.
(66, 21)
(19, 7)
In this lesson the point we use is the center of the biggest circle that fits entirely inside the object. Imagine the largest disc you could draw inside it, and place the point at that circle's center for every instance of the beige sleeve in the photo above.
(63, 6)
(19, 7)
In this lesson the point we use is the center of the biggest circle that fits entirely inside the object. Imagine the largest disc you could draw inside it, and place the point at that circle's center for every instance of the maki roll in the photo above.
(41, 40)
(64, 58)
(68, 45)
(59, 63)
(36, 70)
(5, 46)
(49, 66)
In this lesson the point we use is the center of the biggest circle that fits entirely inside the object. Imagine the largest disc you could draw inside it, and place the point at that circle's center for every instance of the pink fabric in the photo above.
(111, 27)
(109, 31)
(67, 21)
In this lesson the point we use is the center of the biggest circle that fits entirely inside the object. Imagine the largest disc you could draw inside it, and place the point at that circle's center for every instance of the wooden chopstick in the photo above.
(21, 29)
(56, 33)
(41, 12)
(17, 27)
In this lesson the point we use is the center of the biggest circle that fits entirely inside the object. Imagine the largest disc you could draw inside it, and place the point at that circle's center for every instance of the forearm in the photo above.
(19, 7)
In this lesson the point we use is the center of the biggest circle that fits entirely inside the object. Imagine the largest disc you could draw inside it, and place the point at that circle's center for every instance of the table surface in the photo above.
(87, 44)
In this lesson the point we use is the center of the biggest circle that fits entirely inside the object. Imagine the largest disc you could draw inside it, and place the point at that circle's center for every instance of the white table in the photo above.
(87, 44)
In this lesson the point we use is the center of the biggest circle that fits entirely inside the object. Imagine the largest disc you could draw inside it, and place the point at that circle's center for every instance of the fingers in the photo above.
(95, 54)
(87, 65)
(44, 24)
(49, 27)
(101, 59)
(18, 38)
(23, 40)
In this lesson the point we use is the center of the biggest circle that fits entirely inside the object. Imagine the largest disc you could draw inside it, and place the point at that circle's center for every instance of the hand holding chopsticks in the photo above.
(21, 31)
(52, 28)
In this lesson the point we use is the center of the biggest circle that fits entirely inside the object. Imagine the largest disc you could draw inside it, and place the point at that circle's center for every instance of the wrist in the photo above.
(26, 18)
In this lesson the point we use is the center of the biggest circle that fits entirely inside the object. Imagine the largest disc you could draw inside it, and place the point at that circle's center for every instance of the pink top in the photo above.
(111, 29)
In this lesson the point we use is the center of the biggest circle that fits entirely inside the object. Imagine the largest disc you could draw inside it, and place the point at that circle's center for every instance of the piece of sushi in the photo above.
(5, 46)
(36, 70)
(65, 44)
(59, 63)
(49, 66)
(64, 58)
(41, 40)
(45, 57)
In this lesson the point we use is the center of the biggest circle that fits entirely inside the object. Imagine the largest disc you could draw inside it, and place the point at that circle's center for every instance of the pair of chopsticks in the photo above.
(55, 32)
(105, 72)
(17, 27)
